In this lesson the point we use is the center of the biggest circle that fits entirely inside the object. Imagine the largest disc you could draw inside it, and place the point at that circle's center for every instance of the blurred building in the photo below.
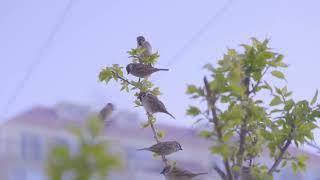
(27, 138)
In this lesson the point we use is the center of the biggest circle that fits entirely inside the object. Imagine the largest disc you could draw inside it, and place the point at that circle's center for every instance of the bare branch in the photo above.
(164, 159)
(282, 151)
(220, 172)
(123, 79)
(280, 157)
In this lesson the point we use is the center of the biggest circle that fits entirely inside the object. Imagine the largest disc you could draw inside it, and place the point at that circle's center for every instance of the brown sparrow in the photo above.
(175, 173)
(142, 70)
(144, 44)
(152, 104)
(164, 148)
(106, 112)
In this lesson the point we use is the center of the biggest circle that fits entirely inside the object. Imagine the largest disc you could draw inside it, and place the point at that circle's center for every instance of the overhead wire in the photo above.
(177, 56)
(38, 58)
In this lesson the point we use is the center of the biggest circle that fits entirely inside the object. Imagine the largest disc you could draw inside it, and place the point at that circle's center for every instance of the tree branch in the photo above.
(211, 99)
(164, 159)
(282, 151)
(243, 128)
(123, 79)
(280, 157)
(220, 172)
(253, 90)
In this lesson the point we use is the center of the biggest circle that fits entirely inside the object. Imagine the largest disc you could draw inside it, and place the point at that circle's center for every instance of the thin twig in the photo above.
(280, 157)
(211, 102)
(123, 79)
(220, 172)
(164, 159)
(282, 151)
(253, 90)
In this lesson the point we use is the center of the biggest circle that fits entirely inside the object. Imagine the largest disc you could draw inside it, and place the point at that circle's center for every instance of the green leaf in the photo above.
(281, 64)
(227, 136)
(314, 99)
(236, 168)
(278, 74)
(205, 134)
(275, 101)
(267, 55)
(137, 103)
(156, 91)
(288, 105)
(155, 156)
(105, 75)
(279, 91)
(193, 111)
(294, 167)
(192, 89)
(220, 149)
(160, 134)
(145, 125)
(284, 163)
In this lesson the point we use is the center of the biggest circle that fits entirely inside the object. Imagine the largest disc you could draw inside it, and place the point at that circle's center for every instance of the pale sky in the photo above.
(97, 33)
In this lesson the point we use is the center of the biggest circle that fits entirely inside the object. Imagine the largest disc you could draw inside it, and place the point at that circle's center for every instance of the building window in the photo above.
(22, 173)
(18, 174)
(31, 148)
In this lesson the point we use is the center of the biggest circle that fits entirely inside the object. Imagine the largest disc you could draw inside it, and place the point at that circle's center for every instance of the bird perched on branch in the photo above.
(144, 44)
(175, 173)
(142, 70)
(152, 104)
(106, 112)
(164, 148)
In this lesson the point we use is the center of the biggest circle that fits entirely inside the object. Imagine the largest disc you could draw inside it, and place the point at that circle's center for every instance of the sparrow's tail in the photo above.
(143, 149)
(162, 69)
(170, 115)
(197, 174)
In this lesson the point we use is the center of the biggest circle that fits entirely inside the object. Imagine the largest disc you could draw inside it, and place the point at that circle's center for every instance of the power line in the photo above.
(202, 30)
(38, 58)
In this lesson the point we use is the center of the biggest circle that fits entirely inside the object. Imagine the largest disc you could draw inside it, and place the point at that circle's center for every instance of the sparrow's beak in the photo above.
(162, 172)
(181, 148)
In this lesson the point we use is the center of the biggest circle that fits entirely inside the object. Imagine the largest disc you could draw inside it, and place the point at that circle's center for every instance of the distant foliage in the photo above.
(91, 160)
(244, 125)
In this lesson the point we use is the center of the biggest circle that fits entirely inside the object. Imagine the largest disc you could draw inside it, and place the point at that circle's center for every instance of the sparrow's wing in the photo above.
(147, 46)
(143, 69)
(181, 172)
(157, 104)
(106, 111)
(159, 147)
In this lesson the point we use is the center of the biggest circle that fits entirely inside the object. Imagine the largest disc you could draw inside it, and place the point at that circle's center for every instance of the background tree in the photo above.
(91, 160)
(243, 124)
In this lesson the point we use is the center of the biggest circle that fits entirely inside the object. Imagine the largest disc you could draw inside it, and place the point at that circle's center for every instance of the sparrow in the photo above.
(152, 104)
(142, 43)
(106, 112)
(164, 148)
(175, 173)
(142, 70)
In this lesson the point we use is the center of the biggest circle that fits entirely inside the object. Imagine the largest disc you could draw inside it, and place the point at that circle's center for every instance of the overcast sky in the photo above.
(97, 33)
